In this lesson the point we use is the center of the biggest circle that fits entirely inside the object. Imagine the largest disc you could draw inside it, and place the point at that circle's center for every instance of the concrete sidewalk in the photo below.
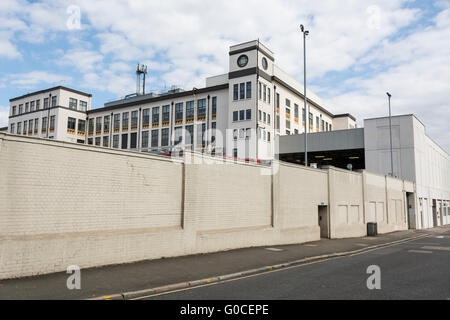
(97, 282)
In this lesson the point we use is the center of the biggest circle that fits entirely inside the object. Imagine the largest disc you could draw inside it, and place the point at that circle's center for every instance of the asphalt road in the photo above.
(418, 269)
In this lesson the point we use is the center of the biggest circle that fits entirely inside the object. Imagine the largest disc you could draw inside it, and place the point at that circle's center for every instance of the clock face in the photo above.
(242, 61)
(264, 63)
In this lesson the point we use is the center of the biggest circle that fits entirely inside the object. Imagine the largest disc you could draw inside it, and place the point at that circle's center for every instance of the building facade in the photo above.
(237, 114)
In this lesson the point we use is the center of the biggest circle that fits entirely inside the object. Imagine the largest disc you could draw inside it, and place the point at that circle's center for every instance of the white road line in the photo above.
(436, 248)
(274, 249)
(419, 251)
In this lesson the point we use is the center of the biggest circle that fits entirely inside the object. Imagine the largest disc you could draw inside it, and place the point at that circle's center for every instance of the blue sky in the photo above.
(357, 50)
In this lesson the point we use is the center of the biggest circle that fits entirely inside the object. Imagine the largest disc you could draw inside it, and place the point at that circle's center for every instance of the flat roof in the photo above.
(48, 90)
(148, 98)
(344, 115)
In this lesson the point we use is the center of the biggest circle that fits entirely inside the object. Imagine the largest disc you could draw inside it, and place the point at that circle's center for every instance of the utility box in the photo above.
(372, 229)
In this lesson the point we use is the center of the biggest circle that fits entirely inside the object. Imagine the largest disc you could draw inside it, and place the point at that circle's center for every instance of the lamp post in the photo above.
(305, 33)
(390, 133)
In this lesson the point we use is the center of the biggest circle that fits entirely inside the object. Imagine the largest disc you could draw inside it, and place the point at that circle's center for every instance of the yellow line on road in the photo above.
(278, 270)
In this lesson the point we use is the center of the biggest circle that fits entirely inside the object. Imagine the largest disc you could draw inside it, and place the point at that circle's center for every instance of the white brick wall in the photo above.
(64, 204)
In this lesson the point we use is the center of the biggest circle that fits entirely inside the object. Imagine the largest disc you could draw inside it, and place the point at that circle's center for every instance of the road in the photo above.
(418, 269)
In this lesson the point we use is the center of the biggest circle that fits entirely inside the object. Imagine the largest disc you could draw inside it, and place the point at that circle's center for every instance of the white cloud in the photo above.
(4, 116)
(32, 79)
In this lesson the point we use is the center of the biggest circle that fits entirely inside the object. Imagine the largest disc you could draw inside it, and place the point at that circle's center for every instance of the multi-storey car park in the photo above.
(255, 98)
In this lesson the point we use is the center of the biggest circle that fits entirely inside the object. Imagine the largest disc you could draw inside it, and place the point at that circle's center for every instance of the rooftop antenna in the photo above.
(141, 69)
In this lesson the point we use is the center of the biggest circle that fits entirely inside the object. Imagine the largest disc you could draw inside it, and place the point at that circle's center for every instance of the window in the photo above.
(71, 123)
(288, 132)
(295, 131)
(54, 101)
(30, 124)
(213, 133)
(288, 103)
(304, 116)
(20, 108)
(81, 126)
(146, 118)
(91, 126)
(166, 113)
(116, 122)
(98, 125)
(98, 141)
(260, 115)
(165, 137)
(201, 107)
(44, 124)
(125, 141)
(125, 122)
(296, 111)
(264, 117)
(134, 120)
(106, 121)
(189, 135)
(268, 95)
(235, 152)
(32, 106)
(235, 115)
(268, 118)
(26, 106)
(19, 127)
(12, 128)
(288, 124)
(178, 135)
(52, 123)
(83, 105)
(106, 141)
(90, 141)
(322, 125)
(268, 136)
(249, 114)
(241, 133)
(38, 104)
(73, 105)
(144, 139)
(331, 129)
(116, 141)
(179, 111)
(310, 120)
(155, 115)
(45, 103)
(201, 128)
(133, 140)
(155, 138)
(235, 134)
(242, 115)
(259, 90)
(277, 100)
(317, 123)
(235, 92)
(265, 93)
(249, 90)
(248, 133)
(214, 106)
(190, 110)
(14, 110)
(36, 125)
(242, 91)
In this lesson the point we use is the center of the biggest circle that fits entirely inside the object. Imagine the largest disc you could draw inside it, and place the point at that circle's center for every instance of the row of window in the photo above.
(242, 91)
(35, 105)
(264, 93)
(264, 117)
(157, 114)
(151, 138)
(32, 126)
(242, 115)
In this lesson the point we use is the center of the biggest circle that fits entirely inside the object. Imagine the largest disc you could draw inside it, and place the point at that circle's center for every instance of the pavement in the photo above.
(136, 278)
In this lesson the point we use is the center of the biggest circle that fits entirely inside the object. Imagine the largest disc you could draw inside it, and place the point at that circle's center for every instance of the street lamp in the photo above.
(390, 133)
(305, 33)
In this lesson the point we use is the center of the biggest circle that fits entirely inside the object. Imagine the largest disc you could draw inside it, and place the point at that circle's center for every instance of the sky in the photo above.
(356, 51)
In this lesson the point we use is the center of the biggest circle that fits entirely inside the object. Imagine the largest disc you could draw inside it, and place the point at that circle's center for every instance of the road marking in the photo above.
(436, 248)
(361, 244)
(419, 251)
(278, 270)
(310, 245)
(274, 249)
